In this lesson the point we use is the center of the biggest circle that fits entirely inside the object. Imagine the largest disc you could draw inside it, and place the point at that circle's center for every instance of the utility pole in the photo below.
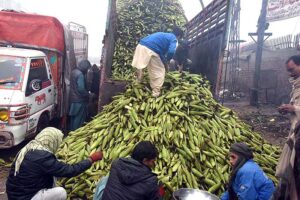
(261, 26)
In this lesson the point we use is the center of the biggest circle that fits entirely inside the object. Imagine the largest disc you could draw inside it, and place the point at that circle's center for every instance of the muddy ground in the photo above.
(3, 175)
(272, 125)
(8, 155)
(264, 119)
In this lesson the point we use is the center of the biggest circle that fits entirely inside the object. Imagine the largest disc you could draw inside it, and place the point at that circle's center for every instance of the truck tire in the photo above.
(43, 123)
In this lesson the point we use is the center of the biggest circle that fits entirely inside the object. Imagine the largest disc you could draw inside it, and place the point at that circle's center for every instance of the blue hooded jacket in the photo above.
(251, 183)
(164, 44)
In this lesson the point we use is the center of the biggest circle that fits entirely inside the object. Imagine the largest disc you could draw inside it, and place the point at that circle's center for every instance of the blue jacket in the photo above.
(251, 183)
(164, 44)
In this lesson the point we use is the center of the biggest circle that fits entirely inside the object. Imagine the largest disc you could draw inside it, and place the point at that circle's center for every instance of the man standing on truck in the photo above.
(79, 95)
(288, 187)
(153, 52)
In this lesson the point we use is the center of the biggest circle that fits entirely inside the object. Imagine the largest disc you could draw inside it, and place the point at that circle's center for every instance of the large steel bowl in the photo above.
(193, 194)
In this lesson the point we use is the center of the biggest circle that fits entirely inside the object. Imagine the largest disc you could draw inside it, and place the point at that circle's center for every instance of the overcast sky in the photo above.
(92, 14)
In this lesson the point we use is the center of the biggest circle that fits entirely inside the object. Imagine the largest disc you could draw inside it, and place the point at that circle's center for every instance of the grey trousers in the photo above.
(56, 193)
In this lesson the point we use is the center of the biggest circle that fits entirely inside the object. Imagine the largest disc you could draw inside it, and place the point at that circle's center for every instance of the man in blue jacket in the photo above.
(152, 52)
(247, 180)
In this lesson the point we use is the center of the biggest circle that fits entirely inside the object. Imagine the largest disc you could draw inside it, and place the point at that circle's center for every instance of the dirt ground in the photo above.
(3, 175)
(8, 155)
(265, 119)
(272, 125)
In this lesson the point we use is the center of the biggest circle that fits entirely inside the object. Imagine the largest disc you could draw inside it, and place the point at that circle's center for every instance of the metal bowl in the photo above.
(193, 194)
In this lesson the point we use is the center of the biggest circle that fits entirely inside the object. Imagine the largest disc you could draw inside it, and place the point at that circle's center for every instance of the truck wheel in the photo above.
(43, 123)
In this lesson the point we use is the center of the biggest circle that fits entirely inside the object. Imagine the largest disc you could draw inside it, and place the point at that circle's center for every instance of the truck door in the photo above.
(39, 90)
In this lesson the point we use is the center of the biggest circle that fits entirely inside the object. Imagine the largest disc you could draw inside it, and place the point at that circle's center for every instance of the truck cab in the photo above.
(27, 94)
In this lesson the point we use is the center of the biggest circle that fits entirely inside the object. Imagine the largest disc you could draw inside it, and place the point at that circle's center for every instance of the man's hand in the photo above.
(161, 190)
(180, 68)
(172, 62)
(167, 66)
(92, 96)
(286, 108)
(98, 155)
(139, 75)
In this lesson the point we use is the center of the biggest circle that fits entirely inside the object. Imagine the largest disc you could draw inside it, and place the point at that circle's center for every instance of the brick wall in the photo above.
(274, 84)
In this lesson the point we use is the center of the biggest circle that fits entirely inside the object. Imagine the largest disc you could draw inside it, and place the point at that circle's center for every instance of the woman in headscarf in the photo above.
(33, 171)
(247, 180)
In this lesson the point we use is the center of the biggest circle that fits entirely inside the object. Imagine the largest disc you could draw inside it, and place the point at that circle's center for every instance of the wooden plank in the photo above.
(206, 34)
(290, 39)
(208, 19)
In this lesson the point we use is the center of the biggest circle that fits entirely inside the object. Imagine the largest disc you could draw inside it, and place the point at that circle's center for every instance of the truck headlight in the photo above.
(4, 115)
(21, 113)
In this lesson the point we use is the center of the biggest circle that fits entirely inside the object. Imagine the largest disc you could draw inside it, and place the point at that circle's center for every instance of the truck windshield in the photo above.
(11, 72)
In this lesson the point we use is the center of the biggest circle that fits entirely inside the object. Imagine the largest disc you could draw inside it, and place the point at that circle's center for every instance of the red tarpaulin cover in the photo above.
(31, 29)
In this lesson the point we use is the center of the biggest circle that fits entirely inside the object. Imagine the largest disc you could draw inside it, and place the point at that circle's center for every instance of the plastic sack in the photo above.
(100, 188)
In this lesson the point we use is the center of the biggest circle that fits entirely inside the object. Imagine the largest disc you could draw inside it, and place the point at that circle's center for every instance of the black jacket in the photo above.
(36, 173)
(93, 79)
(131, 180)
